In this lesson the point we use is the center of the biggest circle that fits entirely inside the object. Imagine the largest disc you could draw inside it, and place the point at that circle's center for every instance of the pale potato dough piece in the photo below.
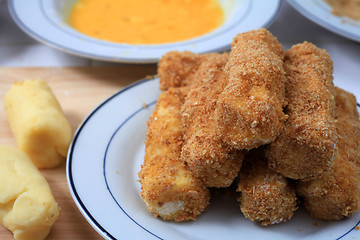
(27, 206)
(38, 123)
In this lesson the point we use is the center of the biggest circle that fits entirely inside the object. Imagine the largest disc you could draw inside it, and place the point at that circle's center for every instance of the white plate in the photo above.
(103, 162)
(319, 12)
(44, 21)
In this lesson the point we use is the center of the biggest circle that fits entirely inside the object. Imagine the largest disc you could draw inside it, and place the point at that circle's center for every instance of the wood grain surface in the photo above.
(79, 90)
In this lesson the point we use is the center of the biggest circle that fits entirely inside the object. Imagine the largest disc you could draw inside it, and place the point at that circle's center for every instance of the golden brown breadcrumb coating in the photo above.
(337, 193)
(306, 148)
(206, 155)
(169, 189)
(249, 112)
(175, 69)
(266, 196)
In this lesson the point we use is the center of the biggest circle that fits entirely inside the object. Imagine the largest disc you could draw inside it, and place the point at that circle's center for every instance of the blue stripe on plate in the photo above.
(349, 231)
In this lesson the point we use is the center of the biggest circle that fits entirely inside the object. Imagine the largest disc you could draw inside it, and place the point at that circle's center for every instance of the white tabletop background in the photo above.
(19, 50)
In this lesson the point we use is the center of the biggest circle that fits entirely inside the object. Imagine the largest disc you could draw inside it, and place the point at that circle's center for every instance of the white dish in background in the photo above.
(319, 12)
(105, 157)
(44, 21)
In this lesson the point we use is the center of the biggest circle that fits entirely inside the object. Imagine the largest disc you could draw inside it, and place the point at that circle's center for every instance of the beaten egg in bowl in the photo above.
(146, 22)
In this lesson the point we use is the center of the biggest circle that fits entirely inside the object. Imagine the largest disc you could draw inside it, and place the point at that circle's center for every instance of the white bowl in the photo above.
(320, 13)
(44, 21)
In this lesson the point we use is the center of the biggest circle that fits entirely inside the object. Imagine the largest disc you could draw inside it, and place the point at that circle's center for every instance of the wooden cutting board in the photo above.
(79, 90)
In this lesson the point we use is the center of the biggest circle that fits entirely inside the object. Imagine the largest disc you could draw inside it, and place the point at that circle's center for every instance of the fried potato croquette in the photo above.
(265, 196)
(306, 148)
(38, 123)
(337, 193)
(179, 69)
(206, 155)
(249, 112)
(27, 206)
(176, 69)
(170, 190)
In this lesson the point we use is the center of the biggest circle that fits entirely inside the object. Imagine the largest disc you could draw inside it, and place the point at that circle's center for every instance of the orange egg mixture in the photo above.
(144, 21)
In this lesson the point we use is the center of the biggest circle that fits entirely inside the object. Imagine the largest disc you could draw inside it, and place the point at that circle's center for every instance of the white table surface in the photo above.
(19, 50)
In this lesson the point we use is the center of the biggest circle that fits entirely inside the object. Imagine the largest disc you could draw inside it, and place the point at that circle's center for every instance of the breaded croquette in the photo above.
(266, 196)
(308, 144)
(176, 69)
(206, 155)
(169, 189)
(249, 112)
(337, 193)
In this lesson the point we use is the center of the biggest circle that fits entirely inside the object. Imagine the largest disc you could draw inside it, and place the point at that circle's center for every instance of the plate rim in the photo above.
(69, 176)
